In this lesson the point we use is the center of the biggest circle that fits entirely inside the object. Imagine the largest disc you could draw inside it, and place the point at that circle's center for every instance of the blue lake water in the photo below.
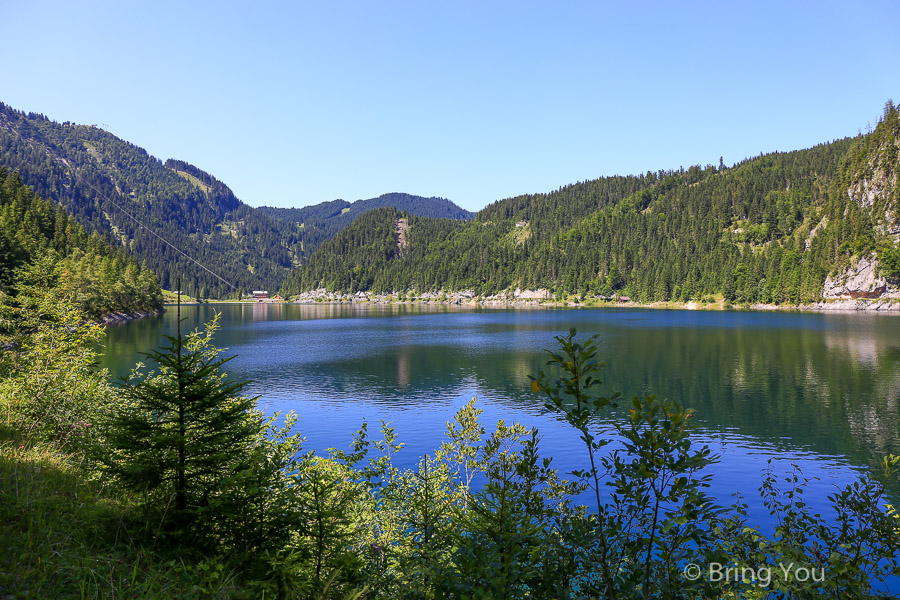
(820, 391)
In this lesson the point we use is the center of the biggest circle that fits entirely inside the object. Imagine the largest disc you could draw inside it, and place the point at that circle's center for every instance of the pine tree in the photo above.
(181, 432)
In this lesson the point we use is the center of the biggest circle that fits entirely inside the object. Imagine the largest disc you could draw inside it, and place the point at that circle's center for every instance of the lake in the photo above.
(821, 391)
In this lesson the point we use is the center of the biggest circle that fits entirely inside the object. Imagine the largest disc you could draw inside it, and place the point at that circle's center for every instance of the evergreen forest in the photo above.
(181, 221)
(768, 229)
(103, 279)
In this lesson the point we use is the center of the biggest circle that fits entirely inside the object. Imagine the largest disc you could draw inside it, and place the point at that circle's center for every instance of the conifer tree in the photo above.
(181, 432)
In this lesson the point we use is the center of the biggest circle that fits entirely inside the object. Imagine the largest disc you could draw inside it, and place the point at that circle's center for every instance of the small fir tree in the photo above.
(181, 433)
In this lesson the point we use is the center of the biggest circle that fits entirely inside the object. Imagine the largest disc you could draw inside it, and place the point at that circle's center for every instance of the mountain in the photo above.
(786, 227)
(769, 229)
(183, 222)
(321, 222)
(340, 211)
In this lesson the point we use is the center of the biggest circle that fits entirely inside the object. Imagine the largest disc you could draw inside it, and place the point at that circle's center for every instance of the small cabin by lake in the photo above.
(259, 296)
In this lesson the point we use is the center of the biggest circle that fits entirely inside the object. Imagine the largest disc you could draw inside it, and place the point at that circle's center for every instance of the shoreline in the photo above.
(115, 318)
(878, 305)
(881, 305)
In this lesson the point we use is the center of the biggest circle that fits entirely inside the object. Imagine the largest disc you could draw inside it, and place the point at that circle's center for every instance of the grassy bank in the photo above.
(63, 535)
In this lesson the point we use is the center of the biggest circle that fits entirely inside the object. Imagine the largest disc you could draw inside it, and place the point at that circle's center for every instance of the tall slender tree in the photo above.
(181, 432)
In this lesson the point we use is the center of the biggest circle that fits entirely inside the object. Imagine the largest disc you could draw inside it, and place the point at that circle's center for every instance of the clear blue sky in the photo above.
(296, 103)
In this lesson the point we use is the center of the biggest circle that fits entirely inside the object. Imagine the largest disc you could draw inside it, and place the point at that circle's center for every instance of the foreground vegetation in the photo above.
(173, 485)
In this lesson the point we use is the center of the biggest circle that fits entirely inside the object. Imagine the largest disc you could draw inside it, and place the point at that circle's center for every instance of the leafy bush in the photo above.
(52, 392)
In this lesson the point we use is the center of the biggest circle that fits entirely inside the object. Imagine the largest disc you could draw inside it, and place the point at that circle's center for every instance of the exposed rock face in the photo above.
(880, 305)
(524, 297)
(859, 281)
(866, 191)
(873, 186)
(538, 294)
(402, 227)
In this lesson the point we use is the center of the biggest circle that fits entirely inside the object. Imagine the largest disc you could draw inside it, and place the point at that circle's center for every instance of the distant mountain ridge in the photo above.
(321, 222)
(170, 214)
(439, 208)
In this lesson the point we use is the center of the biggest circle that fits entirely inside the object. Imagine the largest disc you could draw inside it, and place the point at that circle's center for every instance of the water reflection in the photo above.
(823, 390)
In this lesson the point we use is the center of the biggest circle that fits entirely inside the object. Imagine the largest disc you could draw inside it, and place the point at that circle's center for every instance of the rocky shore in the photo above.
(542, 297)
(122, 317)
(840, 304)
(525, 297)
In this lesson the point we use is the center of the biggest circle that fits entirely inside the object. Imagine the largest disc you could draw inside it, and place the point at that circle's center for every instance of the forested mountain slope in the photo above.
(165, 212)
(102, 278)
(118, 190)
(318, 223)
(769, 229)
(321, 222)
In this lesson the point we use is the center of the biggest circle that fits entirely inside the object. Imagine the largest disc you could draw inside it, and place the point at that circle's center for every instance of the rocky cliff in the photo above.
(860, 281)
(872, 183)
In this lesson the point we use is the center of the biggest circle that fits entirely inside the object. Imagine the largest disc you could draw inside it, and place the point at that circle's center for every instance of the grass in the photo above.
(170, 296)
(63, 535)
(194, 181)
